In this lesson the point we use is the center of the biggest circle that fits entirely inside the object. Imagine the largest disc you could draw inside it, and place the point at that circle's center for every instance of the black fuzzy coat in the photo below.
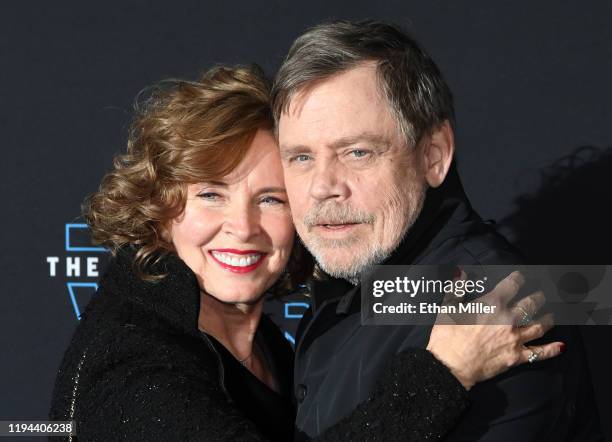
(138, 369)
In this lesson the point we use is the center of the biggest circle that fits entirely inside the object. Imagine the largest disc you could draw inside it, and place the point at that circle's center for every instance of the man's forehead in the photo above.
(336, 115)
(350, 88)
(337, 128)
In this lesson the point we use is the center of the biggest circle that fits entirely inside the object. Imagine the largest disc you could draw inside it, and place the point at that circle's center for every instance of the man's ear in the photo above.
(438, 152)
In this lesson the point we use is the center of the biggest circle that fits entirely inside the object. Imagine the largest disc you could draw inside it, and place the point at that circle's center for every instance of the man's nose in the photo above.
(242, 222)
(328, 182)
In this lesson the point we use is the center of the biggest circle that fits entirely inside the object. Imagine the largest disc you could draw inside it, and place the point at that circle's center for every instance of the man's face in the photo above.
(353, 184)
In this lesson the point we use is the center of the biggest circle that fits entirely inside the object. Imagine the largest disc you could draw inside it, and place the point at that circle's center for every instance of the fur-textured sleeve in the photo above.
(137, 384)
(157, 403)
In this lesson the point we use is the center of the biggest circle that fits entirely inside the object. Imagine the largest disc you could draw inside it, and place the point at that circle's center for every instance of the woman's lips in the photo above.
(238, 261)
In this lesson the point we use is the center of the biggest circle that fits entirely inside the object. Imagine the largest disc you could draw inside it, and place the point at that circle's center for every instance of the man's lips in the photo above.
(238, 261)
(337, 227)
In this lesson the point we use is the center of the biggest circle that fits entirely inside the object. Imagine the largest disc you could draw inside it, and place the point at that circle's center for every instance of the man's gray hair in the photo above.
(419, 98)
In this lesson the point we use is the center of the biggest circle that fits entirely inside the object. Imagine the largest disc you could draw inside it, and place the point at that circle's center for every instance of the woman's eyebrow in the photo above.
(272, 190)
(214, 183)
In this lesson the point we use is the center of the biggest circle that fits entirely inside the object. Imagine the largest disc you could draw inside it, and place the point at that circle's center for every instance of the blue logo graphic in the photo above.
(72, 227)
(72, 292)
(77, 239)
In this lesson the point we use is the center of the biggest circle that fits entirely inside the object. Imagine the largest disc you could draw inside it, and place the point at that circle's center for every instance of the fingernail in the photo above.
(562, 348)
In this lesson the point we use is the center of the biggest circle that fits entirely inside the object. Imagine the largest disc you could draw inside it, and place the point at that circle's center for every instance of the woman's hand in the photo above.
(478, 352)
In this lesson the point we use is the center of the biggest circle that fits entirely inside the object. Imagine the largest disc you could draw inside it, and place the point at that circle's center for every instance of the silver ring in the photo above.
(526, 319)
(533, 357)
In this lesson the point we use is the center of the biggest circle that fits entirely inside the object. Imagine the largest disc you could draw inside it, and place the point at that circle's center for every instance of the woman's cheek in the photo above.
(205, 225)
(284, 232)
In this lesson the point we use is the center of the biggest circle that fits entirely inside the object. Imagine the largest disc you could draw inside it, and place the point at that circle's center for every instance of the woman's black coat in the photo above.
(138, 368)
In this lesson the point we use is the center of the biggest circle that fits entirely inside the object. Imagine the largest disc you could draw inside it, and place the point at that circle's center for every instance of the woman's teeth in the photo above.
(237, 260)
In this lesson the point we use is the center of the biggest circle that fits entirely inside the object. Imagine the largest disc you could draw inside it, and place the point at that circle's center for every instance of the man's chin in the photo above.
(351, 262)
(344, 261)
(339, 268)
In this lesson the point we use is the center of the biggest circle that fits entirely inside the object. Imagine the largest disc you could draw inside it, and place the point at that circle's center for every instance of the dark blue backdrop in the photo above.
(531, 81)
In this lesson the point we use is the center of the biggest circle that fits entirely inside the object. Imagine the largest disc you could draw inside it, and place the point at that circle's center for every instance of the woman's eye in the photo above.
(271, 200)
(209, 196)
(301, 158)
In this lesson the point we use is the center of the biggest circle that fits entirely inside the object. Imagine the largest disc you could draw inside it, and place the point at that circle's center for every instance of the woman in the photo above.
(174, 346)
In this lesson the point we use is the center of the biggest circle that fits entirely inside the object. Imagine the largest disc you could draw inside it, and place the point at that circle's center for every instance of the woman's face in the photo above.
(237, 234)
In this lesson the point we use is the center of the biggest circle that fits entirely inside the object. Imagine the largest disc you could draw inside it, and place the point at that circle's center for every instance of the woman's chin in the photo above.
(242, 297)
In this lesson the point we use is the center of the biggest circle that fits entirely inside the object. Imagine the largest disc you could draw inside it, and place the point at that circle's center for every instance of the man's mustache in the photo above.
(336, 214)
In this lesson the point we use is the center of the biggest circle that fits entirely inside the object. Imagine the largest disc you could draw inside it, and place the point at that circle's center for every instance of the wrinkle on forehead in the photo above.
(342, 106)
(358, 81)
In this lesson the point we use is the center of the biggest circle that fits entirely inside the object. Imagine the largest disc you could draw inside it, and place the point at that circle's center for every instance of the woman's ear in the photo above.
(438, 153)
(165, 231)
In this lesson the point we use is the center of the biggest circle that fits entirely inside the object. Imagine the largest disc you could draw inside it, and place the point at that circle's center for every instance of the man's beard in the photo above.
(405, 207)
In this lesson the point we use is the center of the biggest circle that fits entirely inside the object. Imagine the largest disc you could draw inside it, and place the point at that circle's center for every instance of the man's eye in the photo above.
(358, 153)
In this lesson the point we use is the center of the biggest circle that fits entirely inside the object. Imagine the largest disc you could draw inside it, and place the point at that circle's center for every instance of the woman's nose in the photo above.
(243, 223)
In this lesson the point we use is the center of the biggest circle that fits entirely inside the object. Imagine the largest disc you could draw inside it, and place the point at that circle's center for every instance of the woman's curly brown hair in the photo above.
(184, 132)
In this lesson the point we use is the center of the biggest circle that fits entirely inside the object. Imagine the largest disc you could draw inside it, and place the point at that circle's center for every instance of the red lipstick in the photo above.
(238, 269)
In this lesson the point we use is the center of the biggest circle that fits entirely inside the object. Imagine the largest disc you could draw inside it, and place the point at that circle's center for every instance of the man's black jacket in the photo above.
(338, 361)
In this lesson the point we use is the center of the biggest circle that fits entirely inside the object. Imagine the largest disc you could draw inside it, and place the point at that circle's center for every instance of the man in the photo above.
(365, 127)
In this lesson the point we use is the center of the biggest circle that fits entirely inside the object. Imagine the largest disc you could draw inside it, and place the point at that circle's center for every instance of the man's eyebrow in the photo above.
(367, 137)
(294, 150)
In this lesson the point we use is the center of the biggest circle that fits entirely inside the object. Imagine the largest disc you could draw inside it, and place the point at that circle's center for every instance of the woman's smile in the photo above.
(238, 261)
(235, 232)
